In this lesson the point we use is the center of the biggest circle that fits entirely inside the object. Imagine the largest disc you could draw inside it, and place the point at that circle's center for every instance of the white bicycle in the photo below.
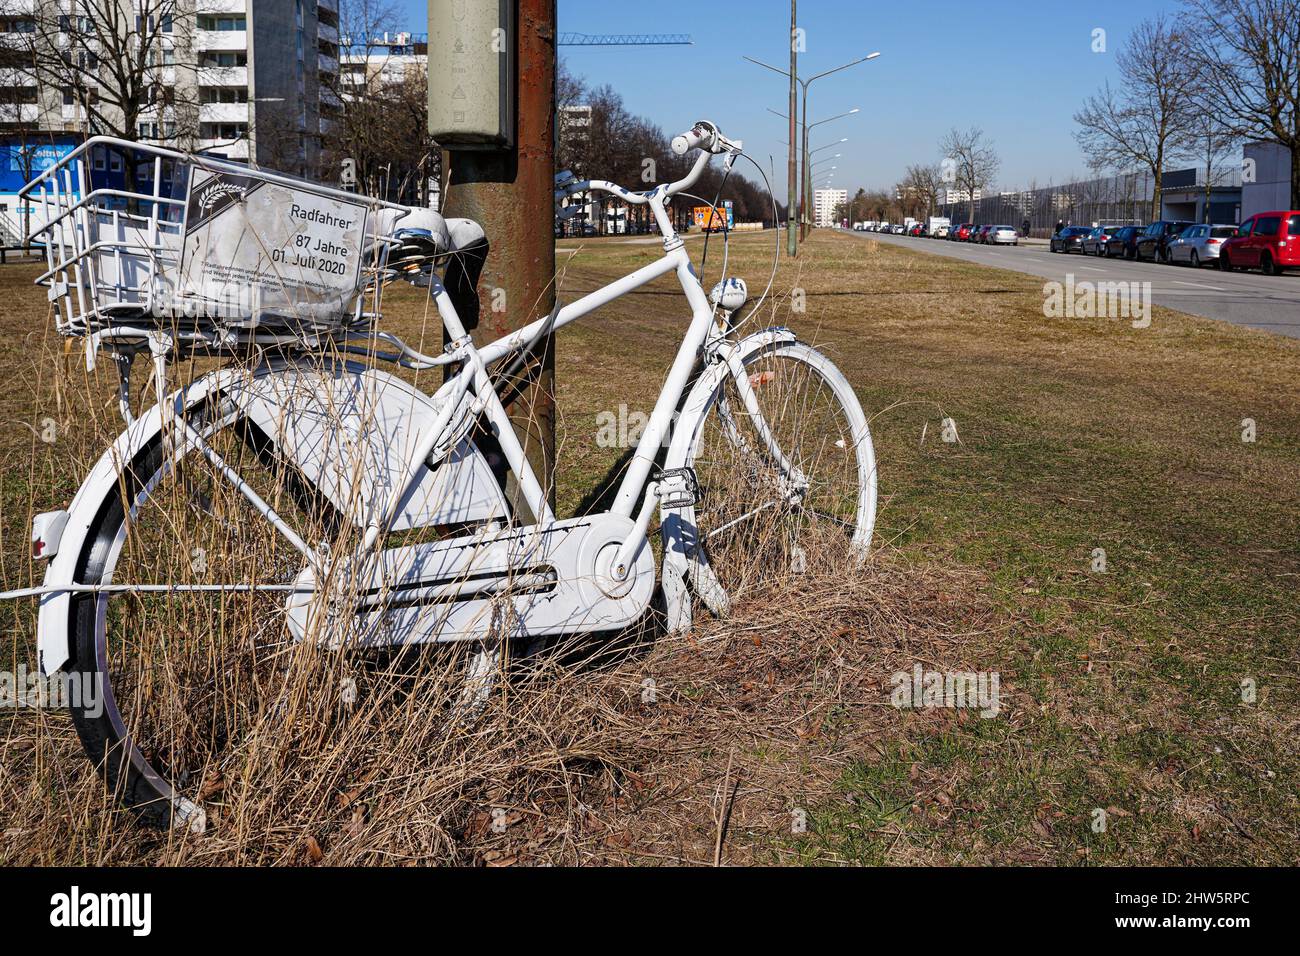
(299, 493)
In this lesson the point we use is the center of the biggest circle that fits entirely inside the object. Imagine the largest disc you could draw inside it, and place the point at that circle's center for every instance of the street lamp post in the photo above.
(808, 127)
(790, 241)
(804, 84)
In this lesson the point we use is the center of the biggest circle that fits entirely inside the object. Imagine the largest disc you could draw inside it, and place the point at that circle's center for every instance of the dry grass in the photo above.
(1119, 691)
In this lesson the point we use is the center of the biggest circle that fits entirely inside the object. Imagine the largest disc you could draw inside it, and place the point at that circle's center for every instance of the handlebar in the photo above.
(703, 135)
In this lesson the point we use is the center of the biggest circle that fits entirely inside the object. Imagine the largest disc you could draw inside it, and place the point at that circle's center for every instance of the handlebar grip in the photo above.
(692, 139)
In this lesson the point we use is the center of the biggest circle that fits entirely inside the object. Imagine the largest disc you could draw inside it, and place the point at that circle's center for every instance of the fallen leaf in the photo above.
(313, 850)
(213, 783)
(354, 826)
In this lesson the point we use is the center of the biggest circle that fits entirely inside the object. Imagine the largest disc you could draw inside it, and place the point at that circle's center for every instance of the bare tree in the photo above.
(974, 162)
(923, 183)
(574, 121)
(1145, 122)
(856, 205)
(1250, 52)
(1211, 142)
(115, 62)
(381, 120)
(1092, 197)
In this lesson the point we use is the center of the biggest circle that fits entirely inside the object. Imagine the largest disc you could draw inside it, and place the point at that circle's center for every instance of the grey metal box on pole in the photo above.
(471, 73)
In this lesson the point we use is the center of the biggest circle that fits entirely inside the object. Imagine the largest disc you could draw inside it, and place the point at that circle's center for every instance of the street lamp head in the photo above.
(872, 56)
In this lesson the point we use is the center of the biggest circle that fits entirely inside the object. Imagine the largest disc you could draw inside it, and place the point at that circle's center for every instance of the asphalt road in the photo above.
(1264, 302)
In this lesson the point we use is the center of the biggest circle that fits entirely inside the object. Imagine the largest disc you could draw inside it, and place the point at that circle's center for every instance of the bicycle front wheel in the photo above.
(787, 474)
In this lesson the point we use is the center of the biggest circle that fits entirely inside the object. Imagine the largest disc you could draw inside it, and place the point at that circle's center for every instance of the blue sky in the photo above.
(1026, 67)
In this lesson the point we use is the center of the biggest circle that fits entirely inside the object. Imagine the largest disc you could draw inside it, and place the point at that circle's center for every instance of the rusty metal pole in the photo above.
(510, 192)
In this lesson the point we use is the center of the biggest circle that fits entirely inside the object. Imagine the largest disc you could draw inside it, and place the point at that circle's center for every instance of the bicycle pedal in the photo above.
(678, 488)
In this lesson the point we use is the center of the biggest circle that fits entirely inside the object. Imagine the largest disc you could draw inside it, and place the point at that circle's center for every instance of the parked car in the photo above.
(962, 232)
(1094, 243)
(1154, 242)
(917, 230)
(1124, 243)
(899, 229)
(1200, 244)
(1069, 239)
(1002, 236)
(941, 232)
(1268, 241)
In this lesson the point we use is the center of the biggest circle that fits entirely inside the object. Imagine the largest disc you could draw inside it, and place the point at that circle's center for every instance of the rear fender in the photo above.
(326, 420)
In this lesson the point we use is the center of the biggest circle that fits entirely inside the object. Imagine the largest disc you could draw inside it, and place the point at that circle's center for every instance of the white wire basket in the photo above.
(137, 236)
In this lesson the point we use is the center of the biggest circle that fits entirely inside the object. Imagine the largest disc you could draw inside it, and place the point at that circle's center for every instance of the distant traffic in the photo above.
(1267, 241)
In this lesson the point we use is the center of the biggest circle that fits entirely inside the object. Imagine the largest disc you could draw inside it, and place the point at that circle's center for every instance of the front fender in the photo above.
(677, 531)
(321, 417)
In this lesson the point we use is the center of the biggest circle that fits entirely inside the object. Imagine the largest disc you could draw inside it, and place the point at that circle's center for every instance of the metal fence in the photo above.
(1110, 201)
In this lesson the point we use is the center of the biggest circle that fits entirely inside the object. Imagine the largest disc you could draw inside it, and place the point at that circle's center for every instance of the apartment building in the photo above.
(382, 59)
(948, 195)
(825, 202)
(251, 80)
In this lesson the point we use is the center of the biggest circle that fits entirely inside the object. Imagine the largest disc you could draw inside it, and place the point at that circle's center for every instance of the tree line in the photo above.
(969, 167)
(1194, 86)
(600, 138)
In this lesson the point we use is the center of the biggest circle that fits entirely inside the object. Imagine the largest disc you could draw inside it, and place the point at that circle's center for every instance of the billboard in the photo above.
(21, 160)
(715, 218)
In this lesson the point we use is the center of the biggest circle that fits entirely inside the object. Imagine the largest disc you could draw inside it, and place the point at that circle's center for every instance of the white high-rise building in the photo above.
(825, 202)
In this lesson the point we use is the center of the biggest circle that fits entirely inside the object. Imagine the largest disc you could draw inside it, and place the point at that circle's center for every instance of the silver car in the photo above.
(1196, 245)
(1002, 236)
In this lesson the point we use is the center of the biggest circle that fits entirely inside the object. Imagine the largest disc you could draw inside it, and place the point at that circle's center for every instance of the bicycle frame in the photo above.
(473, 379)
(471, 395)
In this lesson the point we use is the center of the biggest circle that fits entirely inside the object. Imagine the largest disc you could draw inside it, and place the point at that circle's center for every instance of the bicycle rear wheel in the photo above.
(787, 473)
(190, 649)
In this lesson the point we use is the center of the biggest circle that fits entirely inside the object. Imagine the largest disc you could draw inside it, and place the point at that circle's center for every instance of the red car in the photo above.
(962, 232)
(1268, 241)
